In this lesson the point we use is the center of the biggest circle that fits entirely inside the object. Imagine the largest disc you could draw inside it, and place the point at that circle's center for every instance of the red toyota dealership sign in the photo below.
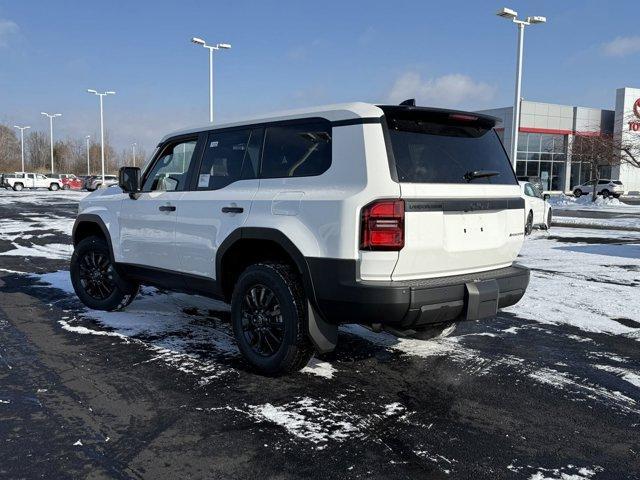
(634, 125)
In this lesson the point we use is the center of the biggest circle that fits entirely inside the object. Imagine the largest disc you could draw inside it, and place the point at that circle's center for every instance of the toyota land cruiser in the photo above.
(401, 218)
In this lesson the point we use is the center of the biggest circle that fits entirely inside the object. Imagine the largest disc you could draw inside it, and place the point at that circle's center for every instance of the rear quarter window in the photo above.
(297, 150)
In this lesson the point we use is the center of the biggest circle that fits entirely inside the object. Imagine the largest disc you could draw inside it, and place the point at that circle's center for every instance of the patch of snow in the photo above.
(78, 443)
(626, 374)
(393, 409)
(52, 250)
(319, 368)
(308, 420)
(5, 401)
(585, 203)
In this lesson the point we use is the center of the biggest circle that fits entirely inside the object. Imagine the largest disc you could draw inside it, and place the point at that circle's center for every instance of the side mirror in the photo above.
(129, 179)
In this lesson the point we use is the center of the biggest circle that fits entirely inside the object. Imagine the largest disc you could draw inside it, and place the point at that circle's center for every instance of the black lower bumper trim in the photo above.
(404, 304)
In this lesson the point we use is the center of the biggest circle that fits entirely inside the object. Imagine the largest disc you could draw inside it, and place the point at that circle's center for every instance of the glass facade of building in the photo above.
(542, 157)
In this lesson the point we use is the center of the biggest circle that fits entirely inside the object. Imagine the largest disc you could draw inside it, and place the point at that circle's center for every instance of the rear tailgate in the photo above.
(463, 209)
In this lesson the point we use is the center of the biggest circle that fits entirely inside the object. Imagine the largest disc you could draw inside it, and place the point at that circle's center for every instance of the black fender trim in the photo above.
(323, 333)
(96, 220)
(276, 236)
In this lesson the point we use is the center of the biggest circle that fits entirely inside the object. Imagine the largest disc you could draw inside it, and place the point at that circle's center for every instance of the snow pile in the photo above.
(568, 201)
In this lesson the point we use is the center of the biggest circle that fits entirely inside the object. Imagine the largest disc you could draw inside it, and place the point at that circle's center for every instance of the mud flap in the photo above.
(323, 335)
(482, 299)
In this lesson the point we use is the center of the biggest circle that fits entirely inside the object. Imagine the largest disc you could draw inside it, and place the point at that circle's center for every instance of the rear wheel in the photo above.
(528, 227)
(269, 314)
(53, 187)
(95, 279)
(17, 187)
(577, 193)
(605, 193)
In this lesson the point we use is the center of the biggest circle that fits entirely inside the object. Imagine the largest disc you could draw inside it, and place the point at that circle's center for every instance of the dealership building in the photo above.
(547, 133)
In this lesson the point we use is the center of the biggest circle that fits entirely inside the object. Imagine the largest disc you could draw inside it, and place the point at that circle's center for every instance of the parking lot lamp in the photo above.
(22, 129)
(133, 152)
(88, 163)
(217, 46)
(512, 15)
(51, 117)
(101, 95)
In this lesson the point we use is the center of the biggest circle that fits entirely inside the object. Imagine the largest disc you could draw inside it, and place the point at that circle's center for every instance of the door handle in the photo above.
(232, 209)
(167, 208)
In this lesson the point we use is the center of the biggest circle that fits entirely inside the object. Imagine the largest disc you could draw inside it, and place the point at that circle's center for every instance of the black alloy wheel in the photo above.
(262, 322)
(96, 275)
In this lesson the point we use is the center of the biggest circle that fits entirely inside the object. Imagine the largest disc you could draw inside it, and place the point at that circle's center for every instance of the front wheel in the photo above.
(95, 279)
(605, 193)
(65, 187)
(17, 187)
(577, 193)
(269, 315)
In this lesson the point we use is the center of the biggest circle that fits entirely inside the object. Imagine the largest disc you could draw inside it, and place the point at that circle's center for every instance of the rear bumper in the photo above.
(405, 304)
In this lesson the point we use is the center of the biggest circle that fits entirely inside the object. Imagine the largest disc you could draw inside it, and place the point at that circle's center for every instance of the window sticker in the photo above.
(203, 180)
(213, 144)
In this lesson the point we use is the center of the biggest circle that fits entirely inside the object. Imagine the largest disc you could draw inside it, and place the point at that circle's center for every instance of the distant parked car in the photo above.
(20, 180)
(97, 182)
(72, 183)
(605, 187)
(537, 211)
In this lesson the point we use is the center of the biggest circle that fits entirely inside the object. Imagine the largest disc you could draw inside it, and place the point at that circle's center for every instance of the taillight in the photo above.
(382, 225)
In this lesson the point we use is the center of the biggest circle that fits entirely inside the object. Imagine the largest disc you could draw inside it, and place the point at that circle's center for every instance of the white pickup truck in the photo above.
(20, 180)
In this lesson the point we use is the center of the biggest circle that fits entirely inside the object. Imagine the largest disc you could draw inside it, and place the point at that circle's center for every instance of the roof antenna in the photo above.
(411, 102)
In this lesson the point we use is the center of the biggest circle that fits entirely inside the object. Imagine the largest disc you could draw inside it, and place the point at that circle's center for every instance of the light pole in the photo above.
(51, 117)
(88, 163)
(22, 129)
(515, 125)
(133, 152)
(101, 95)
(217, 46)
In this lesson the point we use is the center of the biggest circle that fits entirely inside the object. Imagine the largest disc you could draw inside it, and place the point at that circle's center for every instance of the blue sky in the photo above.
(293, 53)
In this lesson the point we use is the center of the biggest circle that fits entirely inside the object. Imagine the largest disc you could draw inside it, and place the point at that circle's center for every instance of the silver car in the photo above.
(605, 187)
(96, 183)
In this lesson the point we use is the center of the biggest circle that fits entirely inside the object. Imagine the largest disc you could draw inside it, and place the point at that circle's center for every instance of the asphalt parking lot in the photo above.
(548, 389)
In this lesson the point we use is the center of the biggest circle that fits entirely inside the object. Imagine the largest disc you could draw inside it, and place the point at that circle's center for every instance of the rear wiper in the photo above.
(480, 174)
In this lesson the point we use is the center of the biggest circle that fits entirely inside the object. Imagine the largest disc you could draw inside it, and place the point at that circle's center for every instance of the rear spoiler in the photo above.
(440, 115)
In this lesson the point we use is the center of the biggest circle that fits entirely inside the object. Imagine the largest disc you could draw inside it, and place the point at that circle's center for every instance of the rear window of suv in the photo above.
(433, 146)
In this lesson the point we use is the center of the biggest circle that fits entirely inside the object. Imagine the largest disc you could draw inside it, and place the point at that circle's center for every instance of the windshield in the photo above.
(440, 147)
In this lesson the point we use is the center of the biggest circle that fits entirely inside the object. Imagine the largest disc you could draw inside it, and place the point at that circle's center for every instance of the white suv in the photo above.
(605, 188)
(397, 217)
(96, 183)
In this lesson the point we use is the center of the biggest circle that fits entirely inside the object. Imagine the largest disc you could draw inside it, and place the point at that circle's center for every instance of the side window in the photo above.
(30, 175)
(528, 190)
(300, 150)
(169, 172)
(40, 177)
(228, 157)
(603, 182)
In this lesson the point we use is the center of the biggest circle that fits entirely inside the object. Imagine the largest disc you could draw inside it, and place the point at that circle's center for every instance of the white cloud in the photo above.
(7, 30)
(622, 46)
(453, 90)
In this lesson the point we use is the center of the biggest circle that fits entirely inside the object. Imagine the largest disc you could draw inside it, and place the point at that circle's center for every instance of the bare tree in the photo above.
(607, 150)
(9, 149)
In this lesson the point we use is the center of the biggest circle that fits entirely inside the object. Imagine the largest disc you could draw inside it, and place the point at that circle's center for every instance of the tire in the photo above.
(17, 187)
(605, 193)
(528, 227)
(269, 315)
(65, 187)
(616, 195)
(577, 193)
(547, 224)
(434, 331)
(96, 281)
(53, 187)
